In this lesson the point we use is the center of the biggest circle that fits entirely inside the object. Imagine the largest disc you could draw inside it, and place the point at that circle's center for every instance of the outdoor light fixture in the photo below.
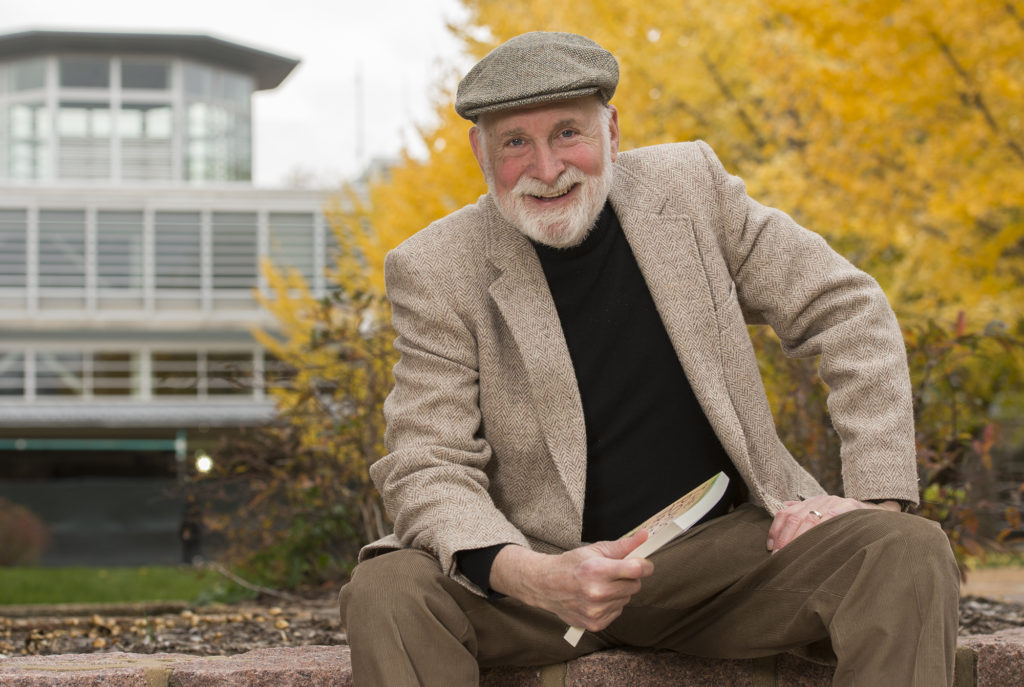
(204, 463)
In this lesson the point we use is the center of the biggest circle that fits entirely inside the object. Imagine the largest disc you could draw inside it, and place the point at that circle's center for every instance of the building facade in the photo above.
(131, 244)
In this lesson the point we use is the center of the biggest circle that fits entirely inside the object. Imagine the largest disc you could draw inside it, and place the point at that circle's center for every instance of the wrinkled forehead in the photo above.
(582, 111)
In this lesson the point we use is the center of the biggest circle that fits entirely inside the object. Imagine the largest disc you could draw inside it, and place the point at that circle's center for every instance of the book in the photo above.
(669, 523)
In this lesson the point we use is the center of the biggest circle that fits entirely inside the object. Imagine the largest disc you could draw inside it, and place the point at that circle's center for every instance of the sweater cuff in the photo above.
(476, 565)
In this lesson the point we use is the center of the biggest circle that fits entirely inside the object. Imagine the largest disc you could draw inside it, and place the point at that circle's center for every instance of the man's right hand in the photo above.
(586, 587)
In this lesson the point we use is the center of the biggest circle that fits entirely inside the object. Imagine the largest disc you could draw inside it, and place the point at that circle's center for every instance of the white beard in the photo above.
(561, 227)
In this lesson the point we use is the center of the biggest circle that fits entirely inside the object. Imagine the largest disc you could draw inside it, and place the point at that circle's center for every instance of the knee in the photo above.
(923, 538)
(916, 548)
(386, 584)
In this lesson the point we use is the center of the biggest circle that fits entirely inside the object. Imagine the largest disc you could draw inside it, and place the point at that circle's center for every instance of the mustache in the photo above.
(563, 184)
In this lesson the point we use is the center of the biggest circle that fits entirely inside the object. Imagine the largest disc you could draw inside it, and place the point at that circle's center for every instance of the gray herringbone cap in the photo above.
(537, 67)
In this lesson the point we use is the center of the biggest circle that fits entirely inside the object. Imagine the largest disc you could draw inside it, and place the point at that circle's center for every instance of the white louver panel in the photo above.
(12, 373)
(13, 231)
(62, 249)
(119, 261)
(235, 253)
(292, 242)
(177, 253)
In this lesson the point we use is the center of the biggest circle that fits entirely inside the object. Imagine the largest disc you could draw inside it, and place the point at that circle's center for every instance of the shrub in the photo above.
(966, 392)
(23, 536)
(966, 387)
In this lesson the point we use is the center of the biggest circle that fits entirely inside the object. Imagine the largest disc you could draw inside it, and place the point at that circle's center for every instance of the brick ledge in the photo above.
(995, 660)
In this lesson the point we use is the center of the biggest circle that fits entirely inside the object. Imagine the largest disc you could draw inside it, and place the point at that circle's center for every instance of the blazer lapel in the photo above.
(521, 293)
(662, 238)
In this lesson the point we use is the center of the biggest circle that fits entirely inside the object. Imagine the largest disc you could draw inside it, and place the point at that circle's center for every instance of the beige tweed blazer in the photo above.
(485, 427)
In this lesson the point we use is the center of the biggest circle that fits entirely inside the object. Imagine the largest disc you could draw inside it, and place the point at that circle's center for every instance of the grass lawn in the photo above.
(996, 559)
(39, 585)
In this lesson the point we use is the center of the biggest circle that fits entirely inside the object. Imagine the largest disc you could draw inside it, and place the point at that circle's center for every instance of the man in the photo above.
(574, 356)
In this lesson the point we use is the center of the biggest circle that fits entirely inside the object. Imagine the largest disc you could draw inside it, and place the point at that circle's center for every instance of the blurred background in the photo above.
(195, 206)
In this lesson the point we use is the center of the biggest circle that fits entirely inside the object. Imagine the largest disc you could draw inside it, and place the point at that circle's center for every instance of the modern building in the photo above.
(131, 240)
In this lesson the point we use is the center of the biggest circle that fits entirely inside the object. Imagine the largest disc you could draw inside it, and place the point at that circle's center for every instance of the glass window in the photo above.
(12, 373)
(114, 374)
(84, 72)
(146, 151)
(73, 121)
(198, 80)
(207, 121)
(175, 374)
(119, 249)
(13, 232)
(27, 74)
(62, 248)
(177, 250)
(145, 121)
(145, 74)
(239, 151)
(131, 122)
(27, 128)
(235, 256)
(84, 119)
(59, 374)
(27, 120)
(84, 130)
(199, 167)
(237, 89)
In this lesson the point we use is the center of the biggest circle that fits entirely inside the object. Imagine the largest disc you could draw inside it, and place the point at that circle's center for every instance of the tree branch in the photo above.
(740, 110)
(974, 97)
(1012, 11)
(249, 585)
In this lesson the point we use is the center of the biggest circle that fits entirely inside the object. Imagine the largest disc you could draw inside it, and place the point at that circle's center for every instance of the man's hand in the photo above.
(586, 587)
(799, 516)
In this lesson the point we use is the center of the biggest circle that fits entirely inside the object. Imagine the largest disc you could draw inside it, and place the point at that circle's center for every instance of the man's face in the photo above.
(549, 167)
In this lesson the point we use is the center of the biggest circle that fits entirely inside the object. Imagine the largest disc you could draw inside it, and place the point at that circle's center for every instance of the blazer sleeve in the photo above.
(820, 304)
(433, 480)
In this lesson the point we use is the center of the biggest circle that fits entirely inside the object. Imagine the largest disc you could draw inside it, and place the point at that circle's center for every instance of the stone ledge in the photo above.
(995, 660)
(998, 658)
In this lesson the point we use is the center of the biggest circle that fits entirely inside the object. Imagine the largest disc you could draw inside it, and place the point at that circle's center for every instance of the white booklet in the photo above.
(669, 523)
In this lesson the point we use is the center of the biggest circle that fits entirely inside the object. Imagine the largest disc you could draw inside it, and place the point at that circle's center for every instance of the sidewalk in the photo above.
(1002, 584)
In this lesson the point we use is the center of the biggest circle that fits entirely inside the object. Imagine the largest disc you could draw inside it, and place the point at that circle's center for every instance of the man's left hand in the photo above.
(796, 517)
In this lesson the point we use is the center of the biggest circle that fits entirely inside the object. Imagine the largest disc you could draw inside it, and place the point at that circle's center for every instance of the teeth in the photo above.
(559, 194)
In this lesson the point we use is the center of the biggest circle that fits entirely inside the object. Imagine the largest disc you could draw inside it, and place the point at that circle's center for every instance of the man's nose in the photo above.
(547, 165)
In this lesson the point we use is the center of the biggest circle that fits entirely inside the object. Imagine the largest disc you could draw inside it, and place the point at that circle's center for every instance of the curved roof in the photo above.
(269, 69)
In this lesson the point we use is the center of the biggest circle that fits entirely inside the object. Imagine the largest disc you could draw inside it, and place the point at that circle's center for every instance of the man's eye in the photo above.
(514, 142)
(568, 133)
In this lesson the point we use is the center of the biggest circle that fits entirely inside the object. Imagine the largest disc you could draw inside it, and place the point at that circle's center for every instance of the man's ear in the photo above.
(613, 129)
(476, 142)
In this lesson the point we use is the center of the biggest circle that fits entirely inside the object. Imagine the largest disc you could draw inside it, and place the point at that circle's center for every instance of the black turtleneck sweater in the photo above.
(648, 440)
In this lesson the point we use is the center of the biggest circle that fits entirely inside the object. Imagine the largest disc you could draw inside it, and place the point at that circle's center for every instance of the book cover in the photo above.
(669, 523)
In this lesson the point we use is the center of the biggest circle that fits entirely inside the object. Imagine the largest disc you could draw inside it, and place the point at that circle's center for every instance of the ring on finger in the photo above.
(817, 514)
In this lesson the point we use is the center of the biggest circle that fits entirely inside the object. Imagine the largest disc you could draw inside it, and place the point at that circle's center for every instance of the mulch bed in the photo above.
(227, 630)
(168, 628)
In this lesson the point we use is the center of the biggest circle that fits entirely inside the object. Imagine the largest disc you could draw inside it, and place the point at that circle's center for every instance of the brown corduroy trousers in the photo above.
(874, 591)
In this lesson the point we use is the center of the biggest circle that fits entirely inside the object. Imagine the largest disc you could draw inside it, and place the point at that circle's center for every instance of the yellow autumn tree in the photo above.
(894, 129)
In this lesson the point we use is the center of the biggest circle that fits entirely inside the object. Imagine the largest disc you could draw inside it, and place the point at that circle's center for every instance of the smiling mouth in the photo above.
(554, 196)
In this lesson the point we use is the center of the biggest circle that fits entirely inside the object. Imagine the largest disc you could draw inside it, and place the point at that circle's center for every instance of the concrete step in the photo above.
(995, 660)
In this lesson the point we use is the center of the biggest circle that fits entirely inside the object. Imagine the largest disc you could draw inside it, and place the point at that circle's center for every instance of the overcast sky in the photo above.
(401, 47)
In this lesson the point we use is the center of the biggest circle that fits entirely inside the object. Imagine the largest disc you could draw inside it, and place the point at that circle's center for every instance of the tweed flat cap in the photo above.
(537, 67)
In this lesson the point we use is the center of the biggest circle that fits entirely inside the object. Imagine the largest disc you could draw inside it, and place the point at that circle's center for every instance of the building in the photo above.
(131, 239)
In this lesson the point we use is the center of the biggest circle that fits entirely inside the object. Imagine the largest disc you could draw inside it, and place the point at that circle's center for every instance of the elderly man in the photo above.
(574, 356)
